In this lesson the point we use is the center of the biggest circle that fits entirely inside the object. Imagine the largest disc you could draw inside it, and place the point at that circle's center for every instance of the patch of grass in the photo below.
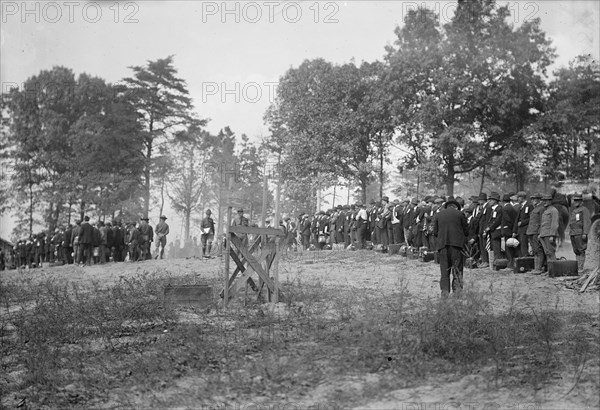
(66, 345)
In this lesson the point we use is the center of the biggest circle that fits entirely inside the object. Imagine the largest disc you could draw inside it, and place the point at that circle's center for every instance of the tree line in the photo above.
(470, 96)
(74, 145)
(473, 96)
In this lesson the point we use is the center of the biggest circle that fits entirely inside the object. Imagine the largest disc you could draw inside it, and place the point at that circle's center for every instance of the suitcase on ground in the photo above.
(394, 249)
(500, 264)
(524, 264)
(426, 256)
(562, 268)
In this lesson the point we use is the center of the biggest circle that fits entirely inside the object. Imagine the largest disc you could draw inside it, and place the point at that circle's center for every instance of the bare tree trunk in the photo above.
(450, 174)
(162, 196)
(30, 209)
(482, 179)
(381, 173)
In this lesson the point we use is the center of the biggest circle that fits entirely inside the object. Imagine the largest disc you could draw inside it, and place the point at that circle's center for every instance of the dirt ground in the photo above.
(385, 273)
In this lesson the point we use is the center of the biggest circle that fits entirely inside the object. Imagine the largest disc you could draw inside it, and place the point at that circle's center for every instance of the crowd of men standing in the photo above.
(501, 227)
(85, 243)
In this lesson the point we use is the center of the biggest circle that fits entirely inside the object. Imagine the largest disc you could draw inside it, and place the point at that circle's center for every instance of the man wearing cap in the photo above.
(521, 223)
(162, 230)
(494, 226)
(533, 231)
(241, 220)
(509, 215)
(146, 238)
(579, 227)
(451, 230)
(207, 225)
(549, 228)
(75, 241)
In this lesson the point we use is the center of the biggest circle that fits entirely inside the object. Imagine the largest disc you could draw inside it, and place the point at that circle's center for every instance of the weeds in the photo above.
(66, 345)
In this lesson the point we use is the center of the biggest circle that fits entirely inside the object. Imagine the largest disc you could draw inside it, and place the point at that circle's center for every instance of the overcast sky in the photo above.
(228, 51)
(223, 59)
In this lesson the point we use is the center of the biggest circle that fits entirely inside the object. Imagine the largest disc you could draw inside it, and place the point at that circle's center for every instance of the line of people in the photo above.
(506, 227)
(87, 244)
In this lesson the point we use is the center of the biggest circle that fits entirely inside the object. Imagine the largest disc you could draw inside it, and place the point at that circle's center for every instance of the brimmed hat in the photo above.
(414, 201)
(240, 210)
(163, 217)
(385, 198)
(144, 218)
(522, 194)
(577, 197)
(482, 196)
(506, 197)
(494, 195)
(452, 202)
(547, 197)
(536, 195)
(438, 200)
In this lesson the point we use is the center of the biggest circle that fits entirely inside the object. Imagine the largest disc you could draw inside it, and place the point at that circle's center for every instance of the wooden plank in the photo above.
(591, 277)
(256, 231)
(227, 249)
(254, 264)
(243, 261)
(198, 295)
(278, 245)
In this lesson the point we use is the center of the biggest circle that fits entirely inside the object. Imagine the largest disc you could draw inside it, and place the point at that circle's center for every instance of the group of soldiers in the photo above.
(86, 244)
(504, 227)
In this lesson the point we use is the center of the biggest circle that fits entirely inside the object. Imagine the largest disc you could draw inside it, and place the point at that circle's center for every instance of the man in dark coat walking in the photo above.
(451, 230)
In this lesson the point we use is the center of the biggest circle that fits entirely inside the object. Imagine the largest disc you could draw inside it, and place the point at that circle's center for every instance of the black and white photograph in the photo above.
(300, 204)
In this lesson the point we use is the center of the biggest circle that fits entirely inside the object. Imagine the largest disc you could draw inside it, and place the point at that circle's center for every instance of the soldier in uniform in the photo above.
(533, 231)
(549, 228)
(207, 225)
(162, 230)
(241, 220)
(146, 238)
(132, 240)
(579, 227)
